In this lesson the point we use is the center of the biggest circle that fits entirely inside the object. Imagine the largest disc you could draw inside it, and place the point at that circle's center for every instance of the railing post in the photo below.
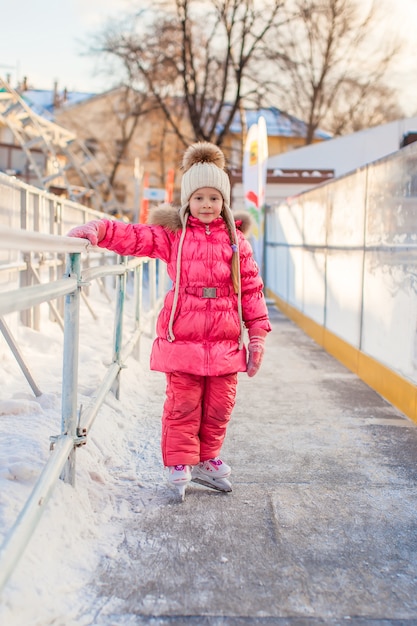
(36, 227)
(118, 324)
(69, 422)
(25, 276)
(153, 296)
(162, 279)
(138, 300)
(152, 283)
(53, 269)
(58, 217)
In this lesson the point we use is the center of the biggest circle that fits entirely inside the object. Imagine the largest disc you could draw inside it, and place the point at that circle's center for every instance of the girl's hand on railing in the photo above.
(93, 231)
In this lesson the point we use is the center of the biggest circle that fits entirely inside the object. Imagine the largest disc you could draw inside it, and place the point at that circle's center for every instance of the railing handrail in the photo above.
(31, 241)
(74, 426)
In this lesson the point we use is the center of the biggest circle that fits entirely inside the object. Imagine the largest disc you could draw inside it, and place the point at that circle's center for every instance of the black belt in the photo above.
(209, 292)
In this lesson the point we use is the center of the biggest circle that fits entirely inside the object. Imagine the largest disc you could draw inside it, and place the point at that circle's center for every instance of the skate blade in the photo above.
(181, 490)
(219, 484)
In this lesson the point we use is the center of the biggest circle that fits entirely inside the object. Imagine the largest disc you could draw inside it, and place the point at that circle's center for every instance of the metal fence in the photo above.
(29, 208)
(75, 424)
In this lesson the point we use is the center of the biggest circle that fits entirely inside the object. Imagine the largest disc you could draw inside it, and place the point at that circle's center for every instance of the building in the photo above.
(127, 135)
(286, 135)
(40, 152)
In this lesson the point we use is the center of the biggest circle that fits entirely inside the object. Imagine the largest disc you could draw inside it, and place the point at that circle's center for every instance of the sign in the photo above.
(154, 193)
(254, 172)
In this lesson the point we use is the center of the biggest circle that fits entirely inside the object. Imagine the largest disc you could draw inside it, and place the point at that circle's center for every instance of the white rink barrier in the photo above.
(341, 260)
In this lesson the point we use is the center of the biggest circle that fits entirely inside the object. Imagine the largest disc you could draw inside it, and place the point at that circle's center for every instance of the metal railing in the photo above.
(75, 424)
(23, 206)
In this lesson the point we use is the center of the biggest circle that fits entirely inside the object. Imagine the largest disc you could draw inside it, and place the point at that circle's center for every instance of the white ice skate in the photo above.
(179, 477)
(213, 473)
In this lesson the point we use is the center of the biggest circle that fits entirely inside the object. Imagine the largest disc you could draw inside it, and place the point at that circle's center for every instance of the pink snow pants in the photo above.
(196, 412)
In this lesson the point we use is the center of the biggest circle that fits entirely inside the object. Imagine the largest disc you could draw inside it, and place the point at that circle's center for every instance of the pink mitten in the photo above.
(256, 350)
(93, 231)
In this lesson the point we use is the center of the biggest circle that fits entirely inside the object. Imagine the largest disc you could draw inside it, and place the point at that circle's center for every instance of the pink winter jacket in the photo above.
(206, 329)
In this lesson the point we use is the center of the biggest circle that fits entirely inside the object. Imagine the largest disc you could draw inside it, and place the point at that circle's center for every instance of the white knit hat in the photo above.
(203, 164)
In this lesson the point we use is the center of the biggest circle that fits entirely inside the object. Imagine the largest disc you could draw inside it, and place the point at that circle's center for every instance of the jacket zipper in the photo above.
(207, 325)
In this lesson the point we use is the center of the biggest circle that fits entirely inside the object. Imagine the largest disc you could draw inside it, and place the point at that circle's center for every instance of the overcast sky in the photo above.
(44, 39)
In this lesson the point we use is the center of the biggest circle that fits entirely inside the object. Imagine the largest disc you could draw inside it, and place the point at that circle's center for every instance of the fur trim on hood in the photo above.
(244, 222)
(165, 215)
(168, 216)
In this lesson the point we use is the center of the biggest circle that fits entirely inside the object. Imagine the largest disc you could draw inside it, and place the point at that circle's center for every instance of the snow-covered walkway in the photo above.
(319, 529)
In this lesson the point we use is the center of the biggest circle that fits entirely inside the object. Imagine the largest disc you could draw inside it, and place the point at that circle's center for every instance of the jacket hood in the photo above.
(168, 216)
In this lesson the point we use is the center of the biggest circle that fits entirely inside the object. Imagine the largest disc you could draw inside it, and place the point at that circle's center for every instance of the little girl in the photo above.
(217, 292)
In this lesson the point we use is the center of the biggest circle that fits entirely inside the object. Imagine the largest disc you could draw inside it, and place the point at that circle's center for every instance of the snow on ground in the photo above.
(77, 527)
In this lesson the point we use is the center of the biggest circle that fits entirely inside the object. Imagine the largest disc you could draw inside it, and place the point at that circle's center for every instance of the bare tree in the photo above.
(363, 106)
(332, 66)
(109, 125)
(195, 58)
(127, 110)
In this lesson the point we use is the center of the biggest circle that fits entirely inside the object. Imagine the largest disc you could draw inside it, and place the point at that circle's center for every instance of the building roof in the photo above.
(349, 152)
(44, 101)
(278, 123)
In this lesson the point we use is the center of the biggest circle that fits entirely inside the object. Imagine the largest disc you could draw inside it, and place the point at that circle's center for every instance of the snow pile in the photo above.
(77, 528)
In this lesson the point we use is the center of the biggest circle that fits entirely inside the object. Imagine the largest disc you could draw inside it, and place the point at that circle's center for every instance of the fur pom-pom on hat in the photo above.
(203, 152)
(203, 164)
